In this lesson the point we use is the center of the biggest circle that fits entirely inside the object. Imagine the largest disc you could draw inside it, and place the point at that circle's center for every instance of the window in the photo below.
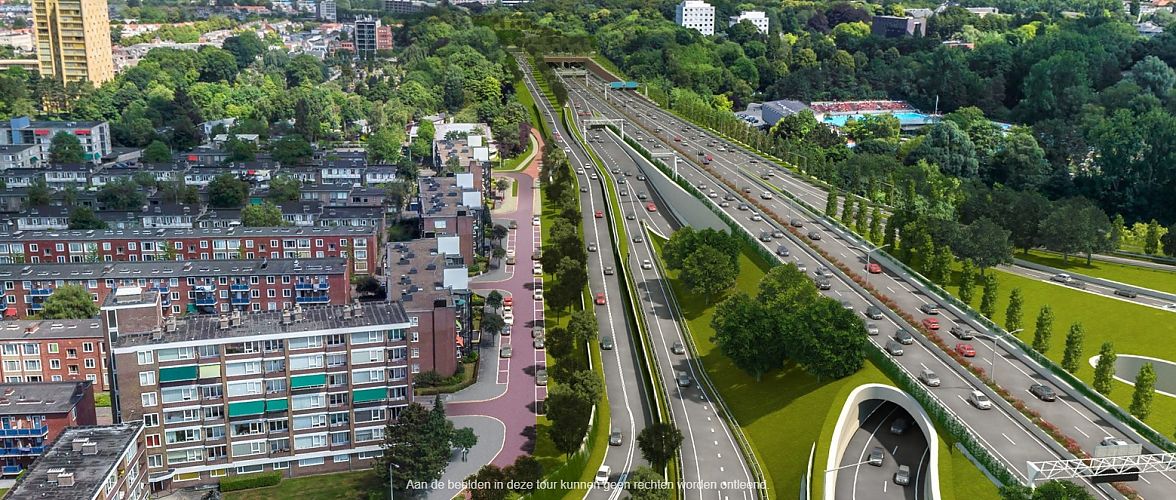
(154, 461)
(208, 351)
(213, 412)
(306, 342)
(338, 399)
(306, 362)
(275, 385)
(367, 375)
(304, 401)
(369, 434)
(281, 465)
(146, 378)
(12, 365)
(398, 393)
(310, 421)
(32, 365)
(340, 419)
(365, 337)
(176, 394)
(341, 458)
(87, 347)
(185, 456)
(336, 379)
(55, 364)
(72, 353)
(214, 433)
(149, 399)
(310, 462)
(248, 428)
(151, 420)
(249, 448)
(53, 346)
(152, 440)
(245, 387)
(278, 425)
(218, 473)
(242, 368)
(367, 356)
(183, 436)
(175, 354)
(11, 349)
(251, 469)
(90, 363)
(310, 441)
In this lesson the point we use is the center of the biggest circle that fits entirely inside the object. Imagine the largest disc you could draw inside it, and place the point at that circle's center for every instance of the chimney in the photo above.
(347, 311)
(358, 311)
(222, 323)
(66, 479)
(170, 325)
(79, 442)
(287, 318)
(235, 319)
(156, 334)
(297, 315)
(90, 449)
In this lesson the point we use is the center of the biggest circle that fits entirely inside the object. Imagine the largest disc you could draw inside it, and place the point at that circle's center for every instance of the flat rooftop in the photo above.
(314, 318)
(89, 471)
(416, 272)
(165, 269)
(41, 398)
(37, 329)
(212, 232)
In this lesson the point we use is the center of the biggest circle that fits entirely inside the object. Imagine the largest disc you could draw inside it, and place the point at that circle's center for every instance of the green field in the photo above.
(788, 399)
(342, 486)
(1156, 279)
(1134, 329)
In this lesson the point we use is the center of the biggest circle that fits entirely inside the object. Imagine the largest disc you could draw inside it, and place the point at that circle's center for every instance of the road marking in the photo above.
(1081, 432)
(891, 289)
(894, 451)
(716, 443)
(1010, 440)
(1144, 479)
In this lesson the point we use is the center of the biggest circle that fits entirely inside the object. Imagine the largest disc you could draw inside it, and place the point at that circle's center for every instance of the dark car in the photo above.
(962, 333)
(796, 223)
(814, 235)
(876, 457)
(874, 312)
(1124, 292)
(782, 251)
(929, 309)
(824, 284)
(1043, 392)
(606, 343)
(899, 426)
(904, 337)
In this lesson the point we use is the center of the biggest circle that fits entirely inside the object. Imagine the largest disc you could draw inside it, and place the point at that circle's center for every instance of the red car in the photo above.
(651, 207)
(508, 301)
(874, 268)
(931, 323)
(966, 350)
(600, 299)
(600, 214)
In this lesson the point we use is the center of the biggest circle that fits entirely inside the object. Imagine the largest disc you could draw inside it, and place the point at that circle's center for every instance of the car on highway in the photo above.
(537, 343)
(600, 301)
(602, 476)
(929, 377)
(899, 426)
(979, 400)
(931, 323)
(651, 207)
(796, 223)
(871, 329)
(615, 438)
(1043, 392)
(505, 351)
(777, 234)
(729, 197)
(904, 337)
(847, 305)
(678, 347)
(606, 342)
(962, 333)
(535, 220)
(757, 217)
(823, 284)
(591, 247)
(631, 216)
(765, 236)
(874, 312)
(600, 214)
(622, 181)
(1112, 441)
(814, 235)
(1062, 278)
(802, 267)
(640, 177)
(646, 264)
(782, 251)
(894, 348)
(877, 456)
(1126, 292)
(583, 189)
(638, 238)
(683, 379)
(931, 309)
(608, 270)
(642, 196)
(873, 268)
(965, 350)
(903, 476)
(541, 377)
(766, 195)
(743, 207)
(623, 192)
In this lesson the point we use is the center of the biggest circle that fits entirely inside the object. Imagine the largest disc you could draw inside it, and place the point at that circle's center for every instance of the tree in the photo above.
(749, 334)
(1145, 388)
(240, 150)
(369, 285)
(1104, 370)
(1052, 490)
(831, 204)
(1076, 226)
(227, 191)
(489, 483)
(39, 194)
(1151, 242)
(987, 244)
(1013, 311)
(569, 407)
(84, 218)
(291, 150)
(1154, 75)
(988, 297)
(66, 148)
(245, 48)
(69, 302)
(949, 148)
(525, 472)
(122, 194)
(659, 443)
(644, 483)
(157, 152)
(493, 324)
(1072, 356)
(284, 188)
(264, 215)
(826, 339)
(1043, 330)
(494, 299)
(940, 266)
(707, 272)
(847, 209)
(384, 145)
(859, 223)
(1168, 241)
(411, 450)
(967, 281)
(876, 226)
(570, 279)
(464, 438)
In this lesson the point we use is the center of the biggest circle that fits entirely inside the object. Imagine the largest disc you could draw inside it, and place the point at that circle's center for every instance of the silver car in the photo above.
(683, 379)
(877, 456)
(903, 476)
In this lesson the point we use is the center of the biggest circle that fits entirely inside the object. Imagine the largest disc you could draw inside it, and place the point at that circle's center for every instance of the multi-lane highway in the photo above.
(1008, 435)
(889, 430)
(629, 404)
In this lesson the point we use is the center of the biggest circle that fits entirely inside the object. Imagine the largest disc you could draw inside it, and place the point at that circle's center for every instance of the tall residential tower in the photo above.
(73, 40)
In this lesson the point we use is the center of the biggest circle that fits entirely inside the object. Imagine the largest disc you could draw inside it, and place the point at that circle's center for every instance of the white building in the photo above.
(697, 15)
(326, 10)
(756, 17)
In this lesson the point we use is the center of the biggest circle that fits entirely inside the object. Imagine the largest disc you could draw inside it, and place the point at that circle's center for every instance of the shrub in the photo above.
(258, 480)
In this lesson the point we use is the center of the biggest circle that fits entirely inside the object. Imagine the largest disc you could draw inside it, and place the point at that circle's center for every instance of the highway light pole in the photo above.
(868, 252)
(992, 359)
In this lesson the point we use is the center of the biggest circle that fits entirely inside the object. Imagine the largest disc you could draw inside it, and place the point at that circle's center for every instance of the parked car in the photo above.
(903, 476)
(537, 269)
(537, 343)
(877, 456)
(606, 342)
(514, 224)
(965, 350)
(505, 351)
(929, 377)
(874, 312)
(979, 400)
(932, 309)
(1043, 392)
(904, 337)
(678, 347)
(536, 332)
(962, 333)
(894, 348)
(537, 294)
(535, 220)
(931, 323)
(541, 377)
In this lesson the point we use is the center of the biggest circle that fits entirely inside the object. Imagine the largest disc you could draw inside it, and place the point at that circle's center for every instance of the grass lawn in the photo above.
(1134, 329)
(786, 399)
(1156, 279)
(966, 482)
(102, 399)
(342, 486)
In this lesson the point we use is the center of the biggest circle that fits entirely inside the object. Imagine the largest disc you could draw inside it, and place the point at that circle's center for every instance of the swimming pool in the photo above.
(904, 118)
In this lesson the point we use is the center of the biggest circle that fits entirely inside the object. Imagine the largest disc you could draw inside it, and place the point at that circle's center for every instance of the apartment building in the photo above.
(89, 463)
(384, 38)
(327, 11)
(94, 136)
(59, 350)
(758, 18)
(365, 36)
(73, 40)
(451, 206)
(696, 15)
(33, 415)
(302, 391)
(19, 156)
(357, 244)
(430, 280)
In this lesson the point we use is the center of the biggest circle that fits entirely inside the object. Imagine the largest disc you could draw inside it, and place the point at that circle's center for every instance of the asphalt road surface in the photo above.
(858, 480)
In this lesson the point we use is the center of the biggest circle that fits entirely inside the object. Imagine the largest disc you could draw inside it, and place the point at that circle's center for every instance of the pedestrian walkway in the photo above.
(491, 435)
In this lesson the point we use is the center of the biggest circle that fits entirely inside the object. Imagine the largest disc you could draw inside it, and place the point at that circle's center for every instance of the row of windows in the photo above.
(37, 378)
(299, 362)
(154, 246)
(156, 461)
(34, 365)
(33, 349)
(175, 282)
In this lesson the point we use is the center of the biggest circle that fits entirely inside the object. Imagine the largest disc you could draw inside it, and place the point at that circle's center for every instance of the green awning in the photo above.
(302, 381)
(178, 373)
(366, 395)
(243, 408)
(277, 404)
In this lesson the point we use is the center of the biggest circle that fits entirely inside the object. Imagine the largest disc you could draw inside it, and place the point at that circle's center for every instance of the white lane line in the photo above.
(1010, 440)
(1080, 431)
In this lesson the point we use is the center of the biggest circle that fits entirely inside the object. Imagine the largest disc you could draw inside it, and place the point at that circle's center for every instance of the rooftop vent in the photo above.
(347, 311)
(66, 479)
(90, 449)
(77, 445)
(222, 323)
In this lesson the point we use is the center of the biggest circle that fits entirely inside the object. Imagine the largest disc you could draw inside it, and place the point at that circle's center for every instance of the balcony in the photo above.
(308, 285)
(37, 306)
(312, 299)
(40, 292)
(11, 470)
(34, 431)
(239, 287)
(22, 451)
(240, 300)
(206, 300)
(162, 289)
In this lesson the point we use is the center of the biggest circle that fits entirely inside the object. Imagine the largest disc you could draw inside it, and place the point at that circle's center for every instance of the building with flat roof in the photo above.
(451, 206)
(365, 36)
(774, 111)
(327, 11)
(19, 156)
(89, 463)
(73, 40)
(33, 414)
(758, 18)
(59, 350)
(895, 26)
(429, 279)
(696, 15)
(94, 135)
(303, 390)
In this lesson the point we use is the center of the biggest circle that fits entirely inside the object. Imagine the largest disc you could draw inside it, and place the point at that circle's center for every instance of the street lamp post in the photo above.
(391, 488)
(992, 359)
(868, 252)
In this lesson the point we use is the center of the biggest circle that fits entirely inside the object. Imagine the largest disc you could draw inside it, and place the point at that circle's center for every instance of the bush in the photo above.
(428, 379)
(258, 480)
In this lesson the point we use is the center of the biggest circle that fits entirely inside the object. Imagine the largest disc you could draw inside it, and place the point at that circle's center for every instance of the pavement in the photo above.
(491, 434)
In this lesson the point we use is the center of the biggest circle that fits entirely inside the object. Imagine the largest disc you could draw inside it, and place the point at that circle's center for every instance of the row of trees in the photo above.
(708, 259)
(788, 319)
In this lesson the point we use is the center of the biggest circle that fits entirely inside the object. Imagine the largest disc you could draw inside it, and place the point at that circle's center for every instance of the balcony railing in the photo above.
(34, 431)
(40, 292)
(10, 470)
(37, 306)
(208, 300)
(240, 300)
(162, 289)
(312, 299)
(21, 451)
(307, 285)
(239, 287)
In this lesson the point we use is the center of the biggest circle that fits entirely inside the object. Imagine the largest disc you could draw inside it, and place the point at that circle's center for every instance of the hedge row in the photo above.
(249, 481)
